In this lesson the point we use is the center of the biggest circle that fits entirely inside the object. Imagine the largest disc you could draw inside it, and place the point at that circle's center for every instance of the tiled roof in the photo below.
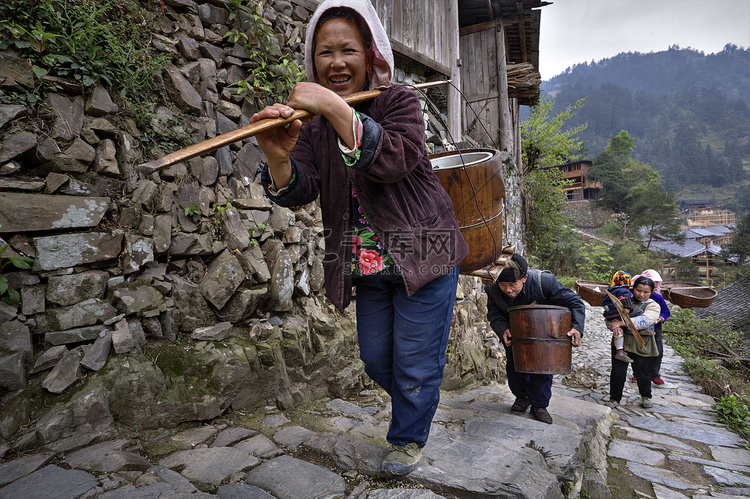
(720, 229)
(690, 247)
(731, 306)
(697, 201)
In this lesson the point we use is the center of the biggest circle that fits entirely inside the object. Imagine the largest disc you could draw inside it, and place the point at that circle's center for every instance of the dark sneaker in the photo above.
(520, 406)
(623, 357)
(541, 414)
(402, 459)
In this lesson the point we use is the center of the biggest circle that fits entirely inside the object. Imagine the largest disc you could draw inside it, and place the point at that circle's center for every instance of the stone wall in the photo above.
(159, 299)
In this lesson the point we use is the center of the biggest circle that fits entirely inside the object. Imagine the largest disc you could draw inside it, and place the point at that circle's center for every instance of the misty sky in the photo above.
(575, 31)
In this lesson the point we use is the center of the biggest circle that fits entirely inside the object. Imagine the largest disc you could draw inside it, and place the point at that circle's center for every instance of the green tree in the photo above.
(545, 142)
(544, 202)
(544, 139)
(609, 169)
(740, 245)
(635, 189)
(687, 270)
(654, 208)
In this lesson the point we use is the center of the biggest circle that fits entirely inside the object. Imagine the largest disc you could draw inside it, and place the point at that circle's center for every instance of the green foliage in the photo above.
(635, 189)
(222, 211)
(612, 230)
(703, 344)
(735, 414)
(545, 140)
(256, 233)
(194, 211)
(7, 294)
(568, 281)
(544, 202)
(632, 257)
(740, 245)
(687, 111)
(609, 169)
(269, 79)
(687, 270)
(89, 41)
(654, 208)
(596, 263)
(270, 72)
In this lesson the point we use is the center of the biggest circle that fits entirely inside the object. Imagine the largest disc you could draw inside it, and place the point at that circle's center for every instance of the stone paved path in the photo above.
(476, 449)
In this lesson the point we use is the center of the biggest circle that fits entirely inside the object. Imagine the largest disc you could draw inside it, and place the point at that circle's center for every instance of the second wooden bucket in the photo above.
(539, 339)
(474, 181)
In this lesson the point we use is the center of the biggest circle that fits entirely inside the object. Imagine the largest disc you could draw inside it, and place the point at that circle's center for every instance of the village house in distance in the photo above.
(707, 230)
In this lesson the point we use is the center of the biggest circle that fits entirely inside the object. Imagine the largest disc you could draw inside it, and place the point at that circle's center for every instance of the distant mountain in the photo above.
(689, 114)
(667, 72)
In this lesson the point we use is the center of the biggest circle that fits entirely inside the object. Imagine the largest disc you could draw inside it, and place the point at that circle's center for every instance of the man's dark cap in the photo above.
(514, 270)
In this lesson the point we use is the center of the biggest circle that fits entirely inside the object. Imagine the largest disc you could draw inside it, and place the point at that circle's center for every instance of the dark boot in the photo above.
(520, 406)
(541, 414)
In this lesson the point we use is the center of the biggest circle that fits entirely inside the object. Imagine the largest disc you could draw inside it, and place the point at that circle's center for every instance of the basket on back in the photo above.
(688, 294)
(591, 291)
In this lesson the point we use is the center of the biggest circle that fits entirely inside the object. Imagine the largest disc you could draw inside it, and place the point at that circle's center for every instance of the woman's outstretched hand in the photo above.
(277, 142)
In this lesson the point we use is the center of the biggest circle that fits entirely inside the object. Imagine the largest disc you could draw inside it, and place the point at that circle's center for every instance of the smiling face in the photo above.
(341, 61)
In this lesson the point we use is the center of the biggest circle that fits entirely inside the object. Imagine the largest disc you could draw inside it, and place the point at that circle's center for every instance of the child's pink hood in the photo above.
(382, 64)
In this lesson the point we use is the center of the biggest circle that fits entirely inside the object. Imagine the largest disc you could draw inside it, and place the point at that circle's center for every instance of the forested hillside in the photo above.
(688, 112)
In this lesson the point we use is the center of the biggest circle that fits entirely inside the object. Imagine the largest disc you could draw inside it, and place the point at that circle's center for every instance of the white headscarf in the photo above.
(382, 64)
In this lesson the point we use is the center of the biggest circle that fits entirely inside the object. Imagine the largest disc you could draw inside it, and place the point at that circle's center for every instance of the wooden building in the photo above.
(705, 218)
(720, 235)
(489, 49)
(688, 206)
(704, 256)
(579, 185)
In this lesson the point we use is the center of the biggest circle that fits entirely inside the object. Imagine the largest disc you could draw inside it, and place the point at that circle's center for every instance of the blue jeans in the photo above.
(402, 341)
(537, 387)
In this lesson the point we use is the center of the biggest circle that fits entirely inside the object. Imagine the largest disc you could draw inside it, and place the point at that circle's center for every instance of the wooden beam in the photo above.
(506, 120)
(476, 28)
(522, 31)
(455, 106)
(412, 54)
(471, 99)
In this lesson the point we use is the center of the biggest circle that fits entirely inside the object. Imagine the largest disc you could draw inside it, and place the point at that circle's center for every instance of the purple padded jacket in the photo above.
(393, 179)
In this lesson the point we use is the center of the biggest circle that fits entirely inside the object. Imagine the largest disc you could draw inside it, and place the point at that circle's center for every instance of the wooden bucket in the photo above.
(539, 339)
(474, 181)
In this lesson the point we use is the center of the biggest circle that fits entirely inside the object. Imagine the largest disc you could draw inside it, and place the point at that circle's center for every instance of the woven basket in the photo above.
(689, 294)
(587, 291)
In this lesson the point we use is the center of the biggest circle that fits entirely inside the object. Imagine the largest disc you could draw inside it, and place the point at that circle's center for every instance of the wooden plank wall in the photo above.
(419, 28)
(479, 76)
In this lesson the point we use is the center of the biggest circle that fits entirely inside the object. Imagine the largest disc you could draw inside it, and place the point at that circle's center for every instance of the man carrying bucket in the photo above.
(519, 285)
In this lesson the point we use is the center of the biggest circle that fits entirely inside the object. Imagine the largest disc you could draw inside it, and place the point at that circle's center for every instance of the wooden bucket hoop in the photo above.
(473, 179)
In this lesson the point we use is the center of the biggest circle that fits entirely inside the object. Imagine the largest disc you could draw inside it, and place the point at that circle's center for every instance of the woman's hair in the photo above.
(644, 280)
(347, 14)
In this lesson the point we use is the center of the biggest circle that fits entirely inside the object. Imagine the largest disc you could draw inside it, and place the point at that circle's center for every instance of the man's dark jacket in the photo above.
(401, 196)
(540, 288)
